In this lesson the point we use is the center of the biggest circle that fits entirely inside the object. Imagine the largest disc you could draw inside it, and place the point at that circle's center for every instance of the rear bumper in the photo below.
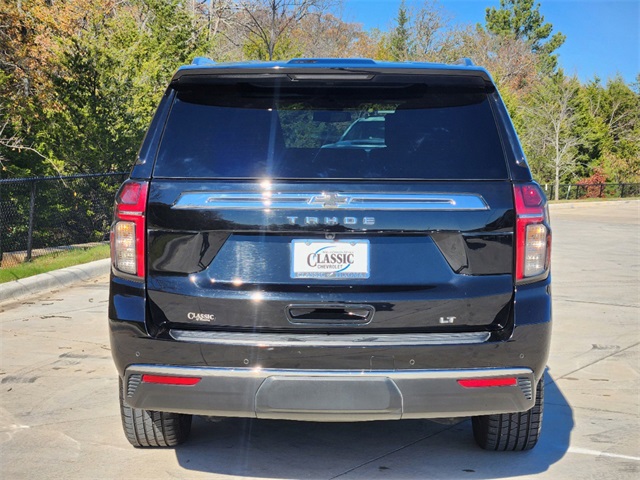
(323, 395)
(337, 378)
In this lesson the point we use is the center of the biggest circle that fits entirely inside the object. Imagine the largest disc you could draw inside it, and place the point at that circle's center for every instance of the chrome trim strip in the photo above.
(337, 201)
(243, 372)
(337, 340)
(130, 214)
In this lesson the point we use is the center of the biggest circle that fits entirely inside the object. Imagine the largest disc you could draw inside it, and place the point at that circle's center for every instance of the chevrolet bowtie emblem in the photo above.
(330, 200)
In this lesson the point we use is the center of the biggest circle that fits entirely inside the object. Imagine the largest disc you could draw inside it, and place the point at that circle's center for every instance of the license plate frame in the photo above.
(330, 259)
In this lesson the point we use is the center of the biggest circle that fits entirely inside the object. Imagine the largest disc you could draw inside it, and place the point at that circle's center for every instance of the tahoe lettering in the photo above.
(331, 220)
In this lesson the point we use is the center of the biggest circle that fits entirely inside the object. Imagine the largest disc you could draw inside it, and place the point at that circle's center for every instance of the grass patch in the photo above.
(54, 261)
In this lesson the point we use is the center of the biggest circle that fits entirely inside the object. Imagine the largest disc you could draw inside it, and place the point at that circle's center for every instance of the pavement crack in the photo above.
(66, 422)
(40, 335)
(86, 309)
(596, 361)
(410, 444)
(588, 409)
(599, 303)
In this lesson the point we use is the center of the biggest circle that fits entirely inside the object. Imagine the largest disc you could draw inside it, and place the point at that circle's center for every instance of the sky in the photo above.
(603, 36)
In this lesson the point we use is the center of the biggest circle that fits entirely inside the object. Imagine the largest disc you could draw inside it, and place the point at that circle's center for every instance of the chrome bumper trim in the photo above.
(334, 201)
(336, 340)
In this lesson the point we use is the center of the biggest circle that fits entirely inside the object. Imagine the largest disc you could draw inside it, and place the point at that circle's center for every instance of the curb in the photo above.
(54, 280)
(565, 204)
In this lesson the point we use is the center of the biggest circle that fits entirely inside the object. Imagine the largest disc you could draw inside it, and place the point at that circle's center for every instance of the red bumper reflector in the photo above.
(168, 380)
(488, 382)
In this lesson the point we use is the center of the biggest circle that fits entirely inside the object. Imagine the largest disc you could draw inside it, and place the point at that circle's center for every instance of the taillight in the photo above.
(488, 382)
(128, 229)
(170, 380)
(533, 236)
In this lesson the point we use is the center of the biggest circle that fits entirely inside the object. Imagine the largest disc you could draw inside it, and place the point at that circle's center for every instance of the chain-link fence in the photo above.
(596, 190)
(47, 214)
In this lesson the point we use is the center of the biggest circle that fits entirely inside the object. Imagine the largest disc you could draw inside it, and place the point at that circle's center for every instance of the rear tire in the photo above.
(148, 428)
(511, 431)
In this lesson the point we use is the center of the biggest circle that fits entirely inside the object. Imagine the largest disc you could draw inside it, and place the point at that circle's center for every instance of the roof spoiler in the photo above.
(331, 61)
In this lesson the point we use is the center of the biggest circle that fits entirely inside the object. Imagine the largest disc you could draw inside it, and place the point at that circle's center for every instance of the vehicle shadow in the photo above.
(405, 449)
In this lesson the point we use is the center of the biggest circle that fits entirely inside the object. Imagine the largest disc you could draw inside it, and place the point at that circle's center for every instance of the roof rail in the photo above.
(467, 62)
(202, 61)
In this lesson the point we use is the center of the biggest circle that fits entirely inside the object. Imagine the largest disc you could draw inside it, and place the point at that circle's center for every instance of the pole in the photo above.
(32, 207)
(1, 226)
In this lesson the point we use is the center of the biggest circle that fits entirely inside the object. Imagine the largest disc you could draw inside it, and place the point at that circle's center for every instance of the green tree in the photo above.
(400, 40)
(591, 125)
(609, 123)
(422, 33)
(549, 120)
(522, 19)
(159, 36)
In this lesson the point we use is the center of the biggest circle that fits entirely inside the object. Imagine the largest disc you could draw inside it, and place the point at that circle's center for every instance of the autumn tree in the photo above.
(22, 83)
(511, 62)
(368, 44)
(326, 35)
(92, 72)
(80, 79)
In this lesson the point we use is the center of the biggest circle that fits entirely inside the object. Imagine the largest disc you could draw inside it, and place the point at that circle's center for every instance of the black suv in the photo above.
(264, 269)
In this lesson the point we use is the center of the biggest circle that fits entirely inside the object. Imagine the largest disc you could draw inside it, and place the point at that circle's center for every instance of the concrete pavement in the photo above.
(59, 410)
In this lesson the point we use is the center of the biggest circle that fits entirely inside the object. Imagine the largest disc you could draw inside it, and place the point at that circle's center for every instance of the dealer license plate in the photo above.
(340, 259)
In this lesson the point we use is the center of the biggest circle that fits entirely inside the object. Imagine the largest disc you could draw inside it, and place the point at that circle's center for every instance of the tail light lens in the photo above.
(171, 380)
(488, 382)
(533, 235)
(128, 229)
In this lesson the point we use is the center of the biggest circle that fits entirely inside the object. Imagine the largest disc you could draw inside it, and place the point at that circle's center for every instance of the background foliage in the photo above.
(79, 79)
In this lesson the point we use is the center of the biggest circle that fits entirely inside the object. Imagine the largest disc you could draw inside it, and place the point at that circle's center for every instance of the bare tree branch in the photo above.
(15, 143)
(271, 20)
(550, 122)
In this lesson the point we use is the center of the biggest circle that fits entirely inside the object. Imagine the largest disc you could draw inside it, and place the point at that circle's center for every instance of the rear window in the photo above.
(355, 131)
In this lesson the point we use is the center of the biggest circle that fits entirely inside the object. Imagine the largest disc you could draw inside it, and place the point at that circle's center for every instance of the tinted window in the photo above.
(359, 131)
(366, 131)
